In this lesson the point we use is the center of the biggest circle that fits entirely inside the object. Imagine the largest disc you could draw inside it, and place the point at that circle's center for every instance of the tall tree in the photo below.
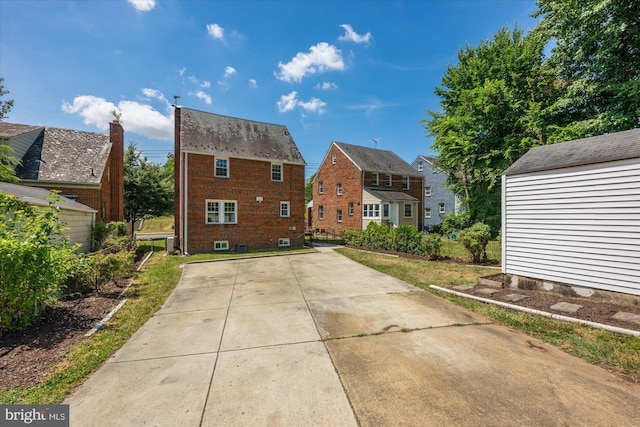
(7, 160)
(496, 103)
(145, 190)
(597, 53)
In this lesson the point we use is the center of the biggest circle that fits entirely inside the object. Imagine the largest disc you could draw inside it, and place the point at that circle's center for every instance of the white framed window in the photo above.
(221, 245)
(427, 213)
(408, 210)
(389, 180)
(386, 211)
(374, 179)
(339, 215)
(284, 241)
(405, 182)
(333, 158)
(222, 167)
(420, 166)
(350, 209)
(427, 191)
(320, 187)
(339, 189)
(441, 208)
(221, 212)
(320, 212)
(285, 208)
(276, 172)
(371, 210)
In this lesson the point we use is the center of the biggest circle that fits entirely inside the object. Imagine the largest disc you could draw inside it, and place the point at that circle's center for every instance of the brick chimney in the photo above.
(116, 135)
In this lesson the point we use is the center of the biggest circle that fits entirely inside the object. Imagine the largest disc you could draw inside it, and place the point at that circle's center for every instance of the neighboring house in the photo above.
(438, 199)
(357, 185)
(571, 215)
(83, 166)
(239, 184)
(78, 217)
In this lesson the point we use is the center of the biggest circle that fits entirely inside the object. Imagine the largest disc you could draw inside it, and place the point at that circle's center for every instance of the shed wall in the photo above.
(78, 227)
(578, 225)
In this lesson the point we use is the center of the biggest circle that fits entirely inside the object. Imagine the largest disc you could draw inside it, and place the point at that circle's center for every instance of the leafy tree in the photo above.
(145, 189)
(597, 48)
(308, 189)
(496, 103)
(7, 161)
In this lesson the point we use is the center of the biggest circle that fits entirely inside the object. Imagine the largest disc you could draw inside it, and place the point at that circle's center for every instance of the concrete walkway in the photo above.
(318, 340)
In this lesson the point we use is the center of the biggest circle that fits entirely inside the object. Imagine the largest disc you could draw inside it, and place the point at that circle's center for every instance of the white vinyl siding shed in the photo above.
(571, 213)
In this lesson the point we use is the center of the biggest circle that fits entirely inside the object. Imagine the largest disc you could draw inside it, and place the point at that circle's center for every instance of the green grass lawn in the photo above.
(161, 224)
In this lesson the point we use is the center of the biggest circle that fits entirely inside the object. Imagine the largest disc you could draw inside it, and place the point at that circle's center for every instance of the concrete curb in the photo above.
(540, 312)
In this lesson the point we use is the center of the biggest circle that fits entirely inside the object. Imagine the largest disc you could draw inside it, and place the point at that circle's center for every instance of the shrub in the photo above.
(377, 236)
(452, 222)
(103, 233)
(431, 245)
(104, 267)
(35, 259)
(475, 240)
(352, 237)
(407, 239)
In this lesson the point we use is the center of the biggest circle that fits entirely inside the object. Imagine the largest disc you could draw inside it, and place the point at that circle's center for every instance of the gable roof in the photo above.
(64, 155)
(431, 160)
(39, 197)
(597, 149)
(210, 133)
(60, 155)
(10, 130)
(374, 160)
(391, 195)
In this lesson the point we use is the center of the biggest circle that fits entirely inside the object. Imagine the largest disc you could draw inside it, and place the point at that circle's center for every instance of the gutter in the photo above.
(609, 328)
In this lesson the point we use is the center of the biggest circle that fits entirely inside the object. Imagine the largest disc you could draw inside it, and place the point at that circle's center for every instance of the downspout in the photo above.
(185, 221)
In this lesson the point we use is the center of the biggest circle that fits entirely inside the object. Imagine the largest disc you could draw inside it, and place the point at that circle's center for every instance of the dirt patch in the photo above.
(27, 357)
(592, 310)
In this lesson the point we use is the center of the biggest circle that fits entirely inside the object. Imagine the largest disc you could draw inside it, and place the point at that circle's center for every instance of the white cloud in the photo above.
(253, 83)
(154, 94)
(326, 86)
(315, 105)
(202, 95)
(136, 117)
(182, 70)
(205, 84)
(215, 31)
(229, 71)
(321, 58)
(143, 5)
(195, 81)
(291, 101)
(352, 36)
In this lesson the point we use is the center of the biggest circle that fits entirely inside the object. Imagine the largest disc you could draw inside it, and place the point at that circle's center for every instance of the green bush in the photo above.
(377, 236)
(103, 233)
(475, 240)
(352, 237)
(431, 245)
(406, 239)
(35, 260)
(452, 222)
(105, 267)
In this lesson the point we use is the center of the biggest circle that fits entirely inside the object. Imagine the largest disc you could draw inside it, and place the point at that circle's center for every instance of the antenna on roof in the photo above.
(376, 141)
(175, 100)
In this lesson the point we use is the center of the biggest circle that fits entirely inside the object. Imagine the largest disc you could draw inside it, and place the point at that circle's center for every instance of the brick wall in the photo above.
(259, 222)
(342, 172)
(113, 177)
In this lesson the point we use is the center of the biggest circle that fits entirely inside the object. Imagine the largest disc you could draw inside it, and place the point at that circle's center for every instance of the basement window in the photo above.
(284, 242)
(221, 245)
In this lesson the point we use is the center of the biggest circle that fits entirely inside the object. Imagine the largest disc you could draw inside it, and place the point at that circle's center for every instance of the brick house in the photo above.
(239, 184)
(357, 185)
(438, 199)
(83, 166)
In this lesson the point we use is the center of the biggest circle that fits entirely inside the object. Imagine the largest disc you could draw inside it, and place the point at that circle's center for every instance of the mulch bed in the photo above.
(27, 357)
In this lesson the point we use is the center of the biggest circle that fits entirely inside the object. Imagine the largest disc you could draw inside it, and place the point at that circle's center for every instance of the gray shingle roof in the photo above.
(374, 160)
(597, 149)
(38, 196)
(9, 130)
(391, 196)
(65, 155)
(215, 134)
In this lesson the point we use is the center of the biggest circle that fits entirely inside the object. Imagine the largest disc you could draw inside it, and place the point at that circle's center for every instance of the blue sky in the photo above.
(349, 71)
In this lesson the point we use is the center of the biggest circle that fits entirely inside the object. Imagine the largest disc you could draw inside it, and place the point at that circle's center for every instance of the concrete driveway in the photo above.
(319, 340)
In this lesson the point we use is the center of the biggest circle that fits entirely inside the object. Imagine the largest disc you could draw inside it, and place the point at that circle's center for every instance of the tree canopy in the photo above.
(7, 160)
(148, 191)
(511, 93)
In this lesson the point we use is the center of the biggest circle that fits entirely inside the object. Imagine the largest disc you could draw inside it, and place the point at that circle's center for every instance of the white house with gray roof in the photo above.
(571, 215)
